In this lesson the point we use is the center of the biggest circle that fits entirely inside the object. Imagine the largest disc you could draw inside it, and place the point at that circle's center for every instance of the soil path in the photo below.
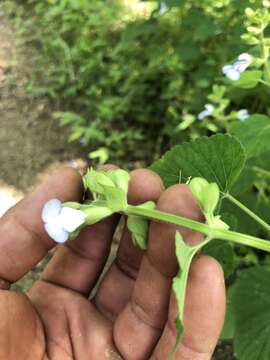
(31, 143)
(30, 140)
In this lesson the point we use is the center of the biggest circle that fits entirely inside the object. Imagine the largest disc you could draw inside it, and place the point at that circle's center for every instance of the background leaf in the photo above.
(229, 323)
(248, 79)
(222, 251)
(219, 158)
(252, 314)
(254, 134)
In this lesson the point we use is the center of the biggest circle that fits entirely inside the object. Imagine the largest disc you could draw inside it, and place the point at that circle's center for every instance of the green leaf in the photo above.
(223, 252)
(254, 134)
(252, 314)
(219, 159)
(248, 79)
(184, 254)
(206, 194)
(96, 180)
(111, 186)
(138, 226)
(116, 198)
(96, 213)
(102, 154)
(120, 178)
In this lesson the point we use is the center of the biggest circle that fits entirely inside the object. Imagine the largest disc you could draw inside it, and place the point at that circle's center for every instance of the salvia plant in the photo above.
(210, 167)
(190, 69)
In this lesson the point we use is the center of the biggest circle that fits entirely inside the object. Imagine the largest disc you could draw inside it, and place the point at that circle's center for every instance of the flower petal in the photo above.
(203, 114)
(70, 219)
(245, 57)
(210, 108)
(226, 68)
(51, 210)
(242, 114)
(55, 231)
(240, 65)
(233, 74)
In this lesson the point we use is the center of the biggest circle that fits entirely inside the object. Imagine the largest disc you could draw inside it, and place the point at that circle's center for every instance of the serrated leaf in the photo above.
(252, 314)
(222, 251)
(254, 134)
(248, 79)
(219, 158)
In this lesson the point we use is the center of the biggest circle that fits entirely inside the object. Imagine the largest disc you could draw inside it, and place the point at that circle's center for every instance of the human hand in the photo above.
(132, 314)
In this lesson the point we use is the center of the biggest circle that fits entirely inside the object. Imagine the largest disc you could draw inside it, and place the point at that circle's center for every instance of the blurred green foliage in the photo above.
(133, 82)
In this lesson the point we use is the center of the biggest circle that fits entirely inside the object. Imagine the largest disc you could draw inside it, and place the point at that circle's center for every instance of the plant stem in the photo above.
(248, 211)
(200, 227)
(261, 170)
(264, 55)
(264, 82)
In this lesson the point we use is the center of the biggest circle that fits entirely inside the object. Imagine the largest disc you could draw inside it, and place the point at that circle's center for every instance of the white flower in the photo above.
(208, 110)
(243, 114)
(60, 222)
(233, 71)
(163, 8)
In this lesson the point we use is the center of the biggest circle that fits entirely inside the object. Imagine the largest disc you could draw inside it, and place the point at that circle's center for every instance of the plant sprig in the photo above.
(110, 189)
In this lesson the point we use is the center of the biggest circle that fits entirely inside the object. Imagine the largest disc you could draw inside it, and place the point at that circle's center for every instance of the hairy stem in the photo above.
(248, 211)
(264, 55)
(200, 227)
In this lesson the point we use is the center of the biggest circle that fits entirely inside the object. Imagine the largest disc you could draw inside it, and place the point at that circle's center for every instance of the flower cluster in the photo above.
(208, 110)
(60, 222)
(233, 71)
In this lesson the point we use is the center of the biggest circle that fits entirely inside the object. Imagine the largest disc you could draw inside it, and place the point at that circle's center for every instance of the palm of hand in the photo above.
(132, 313)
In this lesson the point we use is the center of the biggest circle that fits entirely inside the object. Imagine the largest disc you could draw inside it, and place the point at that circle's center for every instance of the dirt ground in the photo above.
(31, 143)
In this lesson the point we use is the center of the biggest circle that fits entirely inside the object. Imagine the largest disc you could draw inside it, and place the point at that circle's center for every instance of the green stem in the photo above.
(261, 170)
(264, 55)
(264, 82)
(200, 227)
(248, 211)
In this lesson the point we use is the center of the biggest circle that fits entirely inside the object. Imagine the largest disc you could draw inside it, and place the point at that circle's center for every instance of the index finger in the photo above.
(23, 239)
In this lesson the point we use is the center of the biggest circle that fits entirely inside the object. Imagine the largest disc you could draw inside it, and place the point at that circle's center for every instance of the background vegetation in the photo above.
(133, 76)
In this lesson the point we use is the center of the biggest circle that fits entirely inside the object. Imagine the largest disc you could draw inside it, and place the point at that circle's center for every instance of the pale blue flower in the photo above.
(163, 8)
(233, 71)
(243, 114)
(208, 110)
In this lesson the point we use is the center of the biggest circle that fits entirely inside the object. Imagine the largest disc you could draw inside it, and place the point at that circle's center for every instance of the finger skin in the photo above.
(140, 325)
(20, 328)
(23, 240)
(203, 315)
(116, 287)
